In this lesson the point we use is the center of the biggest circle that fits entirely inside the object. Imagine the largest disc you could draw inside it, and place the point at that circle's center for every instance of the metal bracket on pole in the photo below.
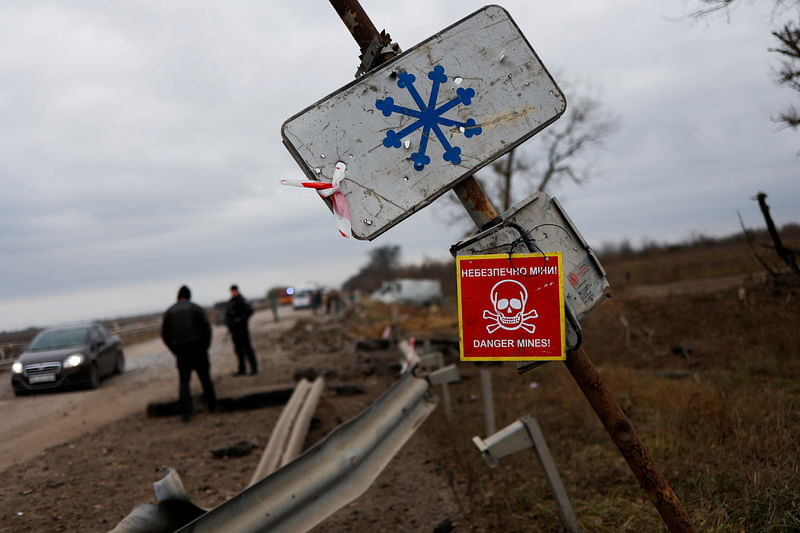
(520, 435)
(443, 376)
(373, 56)
(430, 360)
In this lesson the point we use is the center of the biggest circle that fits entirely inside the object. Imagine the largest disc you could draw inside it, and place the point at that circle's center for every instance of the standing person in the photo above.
(316, 300)
(236, 316)
(273, 303)
(187, 333)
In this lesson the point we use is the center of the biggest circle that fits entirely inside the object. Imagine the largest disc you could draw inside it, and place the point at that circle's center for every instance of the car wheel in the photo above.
(119, 366)
(94, 377)
(20, 392)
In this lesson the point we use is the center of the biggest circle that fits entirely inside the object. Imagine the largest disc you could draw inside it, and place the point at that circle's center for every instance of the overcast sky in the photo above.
(140, 143)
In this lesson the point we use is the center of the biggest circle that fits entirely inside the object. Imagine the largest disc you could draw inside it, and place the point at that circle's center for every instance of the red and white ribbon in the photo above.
(410, 357)
(330, 190)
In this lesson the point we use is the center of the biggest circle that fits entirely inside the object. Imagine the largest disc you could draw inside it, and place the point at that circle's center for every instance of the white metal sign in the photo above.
(413, 128)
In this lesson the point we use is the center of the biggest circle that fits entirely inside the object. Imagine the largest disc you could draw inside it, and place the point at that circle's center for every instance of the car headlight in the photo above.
(74, 360)
(16, 367)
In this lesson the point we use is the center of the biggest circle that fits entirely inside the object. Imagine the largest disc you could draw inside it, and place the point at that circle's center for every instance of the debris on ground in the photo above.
(238, 449)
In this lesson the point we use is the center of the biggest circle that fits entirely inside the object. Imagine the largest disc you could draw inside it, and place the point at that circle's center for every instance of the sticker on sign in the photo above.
(511, 307)
(413, 128)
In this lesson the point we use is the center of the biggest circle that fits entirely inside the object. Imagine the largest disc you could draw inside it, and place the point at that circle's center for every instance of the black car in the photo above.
(68, 356)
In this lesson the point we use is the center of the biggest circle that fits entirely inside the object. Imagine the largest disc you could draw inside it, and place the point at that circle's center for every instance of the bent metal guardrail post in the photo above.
(520, 435)
(488, 401)
(331, 473)
(376, 49)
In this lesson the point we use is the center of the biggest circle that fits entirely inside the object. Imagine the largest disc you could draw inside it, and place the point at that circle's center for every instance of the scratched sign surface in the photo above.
(413, 128)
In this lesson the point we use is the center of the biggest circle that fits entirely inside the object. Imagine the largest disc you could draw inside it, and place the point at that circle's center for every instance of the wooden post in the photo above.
(788, 255)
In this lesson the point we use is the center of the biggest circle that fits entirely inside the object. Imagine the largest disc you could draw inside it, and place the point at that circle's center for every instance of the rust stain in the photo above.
(491, 122)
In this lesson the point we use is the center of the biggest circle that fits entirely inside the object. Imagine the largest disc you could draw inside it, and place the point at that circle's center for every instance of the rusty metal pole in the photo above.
(623, 434)
(475, 201)
(355, 18)
(580, 366)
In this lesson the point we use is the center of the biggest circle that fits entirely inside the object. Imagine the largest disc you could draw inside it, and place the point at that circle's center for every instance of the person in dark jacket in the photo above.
(237, 315)
(187, 333)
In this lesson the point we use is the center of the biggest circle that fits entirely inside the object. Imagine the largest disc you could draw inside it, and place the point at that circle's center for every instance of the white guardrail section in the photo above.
(331, 473)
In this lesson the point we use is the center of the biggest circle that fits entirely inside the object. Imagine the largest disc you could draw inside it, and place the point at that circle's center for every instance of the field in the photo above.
(703, 359)
(698, 345)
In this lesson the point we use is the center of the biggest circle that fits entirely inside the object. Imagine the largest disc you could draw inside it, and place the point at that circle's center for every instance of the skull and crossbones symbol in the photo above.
(509, 298)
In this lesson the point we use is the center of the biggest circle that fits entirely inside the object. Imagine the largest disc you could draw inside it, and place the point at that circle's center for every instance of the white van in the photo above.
(301, 299)
(412, 291)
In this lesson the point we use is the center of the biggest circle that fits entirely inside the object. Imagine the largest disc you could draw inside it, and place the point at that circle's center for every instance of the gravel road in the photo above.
(33, 423)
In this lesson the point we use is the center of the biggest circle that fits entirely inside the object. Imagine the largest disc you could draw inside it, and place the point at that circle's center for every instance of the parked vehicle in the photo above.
(218, 312)
(282, 294)
(302, 297)
(410, 291)
(68, 356)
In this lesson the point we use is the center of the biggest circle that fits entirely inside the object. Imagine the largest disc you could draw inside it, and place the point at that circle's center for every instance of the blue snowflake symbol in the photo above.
(429, 117)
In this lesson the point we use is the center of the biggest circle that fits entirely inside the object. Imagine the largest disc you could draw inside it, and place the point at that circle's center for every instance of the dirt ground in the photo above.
(80, 461)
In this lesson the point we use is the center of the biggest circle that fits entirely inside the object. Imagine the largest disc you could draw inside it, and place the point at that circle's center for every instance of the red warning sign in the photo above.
(511, 307)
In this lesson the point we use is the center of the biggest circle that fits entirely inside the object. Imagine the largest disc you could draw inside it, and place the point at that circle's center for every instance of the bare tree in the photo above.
(382, 265)
(788, 48)
(789, 73)
(563, 151)
(384, 257)
(712, 6)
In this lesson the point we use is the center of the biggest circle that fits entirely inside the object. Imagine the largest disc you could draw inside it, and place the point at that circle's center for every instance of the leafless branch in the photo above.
(788, 37)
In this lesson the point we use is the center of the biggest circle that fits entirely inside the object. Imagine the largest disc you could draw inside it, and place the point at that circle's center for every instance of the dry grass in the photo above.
(726, 433)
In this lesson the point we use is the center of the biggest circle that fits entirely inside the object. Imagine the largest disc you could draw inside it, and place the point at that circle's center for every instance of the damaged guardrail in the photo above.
(313, 486)
(331, 473)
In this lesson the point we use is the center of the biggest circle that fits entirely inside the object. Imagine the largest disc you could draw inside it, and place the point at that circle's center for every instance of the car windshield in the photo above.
(58, 338)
